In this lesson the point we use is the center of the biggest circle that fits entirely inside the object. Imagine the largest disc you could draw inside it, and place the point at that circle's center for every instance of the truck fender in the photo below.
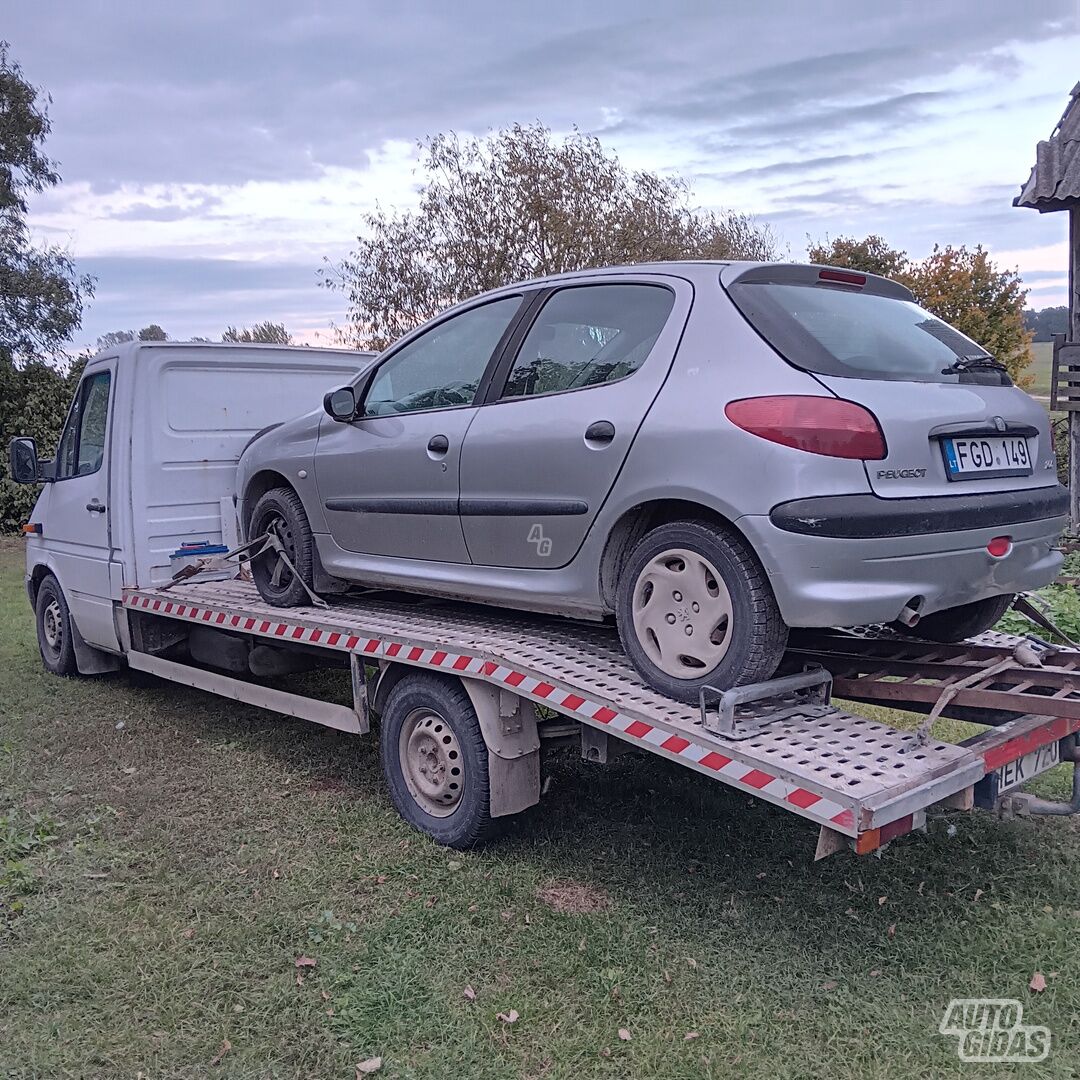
(508, 724)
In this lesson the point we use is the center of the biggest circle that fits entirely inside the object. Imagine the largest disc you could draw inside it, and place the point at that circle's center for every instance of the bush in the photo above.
(34, 398)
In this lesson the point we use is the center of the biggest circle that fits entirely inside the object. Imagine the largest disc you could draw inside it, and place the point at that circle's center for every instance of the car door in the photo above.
(77, 515)
(388, 479)
(541, 457)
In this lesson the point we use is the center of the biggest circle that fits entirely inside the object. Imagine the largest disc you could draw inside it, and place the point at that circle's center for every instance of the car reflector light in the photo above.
(818, 425)
(1000, 546)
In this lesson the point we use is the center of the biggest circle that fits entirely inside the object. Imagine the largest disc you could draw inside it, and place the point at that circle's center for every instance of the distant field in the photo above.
(1040, 367)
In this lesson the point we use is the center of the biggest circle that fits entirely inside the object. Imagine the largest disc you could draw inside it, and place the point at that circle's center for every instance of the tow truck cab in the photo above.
(147, 459)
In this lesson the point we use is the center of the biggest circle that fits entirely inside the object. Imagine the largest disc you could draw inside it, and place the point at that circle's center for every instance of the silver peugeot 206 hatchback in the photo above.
(710, 453)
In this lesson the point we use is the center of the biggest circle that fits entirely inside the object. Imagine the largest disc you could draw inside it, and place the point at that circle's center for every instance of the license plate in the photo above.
(986, 455)
(1030, 765)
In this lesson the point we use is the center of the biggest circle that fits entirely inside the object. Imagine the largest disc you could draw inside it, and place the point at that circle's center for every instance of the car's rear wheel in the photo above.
(281, 512)
(959, 623)
(54, 628)
(695, 608)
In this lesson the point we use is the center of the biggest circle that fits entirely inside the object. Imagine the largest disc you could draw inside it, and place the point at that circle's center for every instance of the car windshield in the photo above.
(833, 330)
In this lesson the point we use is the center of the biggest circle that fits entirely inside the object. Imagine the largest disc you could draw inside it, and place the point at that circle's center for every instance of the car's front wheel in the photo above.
(281, 512)
(695, 608)
(958, 623)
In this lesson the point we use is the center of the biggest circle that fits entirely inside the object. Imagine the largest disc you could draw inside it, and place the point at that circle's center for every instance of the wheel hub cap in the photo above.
(431, 762)
(682, 614)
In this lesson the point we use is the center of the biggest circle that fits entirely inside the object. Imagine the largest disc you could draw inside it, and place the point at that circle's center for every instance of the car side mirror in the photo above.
(23, 461)
(340, 405)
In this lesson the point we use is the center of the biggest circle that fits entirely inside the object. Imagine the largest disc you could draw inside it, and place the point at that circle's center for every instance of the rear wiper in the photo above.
(975, 362)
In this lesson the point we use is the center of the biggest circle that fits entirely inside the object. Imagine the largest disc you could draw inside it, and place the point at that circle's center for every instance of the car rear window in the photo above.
(836, 330)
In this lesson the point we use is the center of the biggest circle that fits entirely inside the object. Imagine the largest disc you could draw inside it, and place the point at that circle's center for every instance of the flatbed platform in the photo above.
(858, 778)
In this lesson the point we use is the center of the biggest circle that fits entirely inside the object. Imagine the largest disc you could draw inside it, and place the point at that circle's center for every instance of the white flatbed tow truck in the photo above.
(467, 695)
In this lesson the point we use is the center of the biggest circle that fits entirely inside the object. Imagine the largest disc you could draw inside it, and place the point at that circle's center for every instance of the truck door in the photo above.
(75, 512)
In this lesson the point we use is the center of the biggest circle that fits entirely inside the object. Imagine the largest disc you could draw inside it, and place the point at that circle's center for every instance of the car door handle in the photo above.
(600, 431)
(95, 507)
(438, 444)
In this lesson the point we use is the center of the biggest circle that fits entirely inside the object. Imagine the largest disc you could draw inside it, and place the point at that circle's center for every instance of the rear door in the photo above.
(542, 455)
(952, 421)
(78, 514)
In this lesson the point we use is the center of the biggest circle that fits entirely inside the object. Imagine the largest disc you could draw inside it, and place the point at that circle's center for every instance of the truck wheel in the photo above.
(959, 623)
(54, 628)
(694, 609)
(282, 512)
(435, 760)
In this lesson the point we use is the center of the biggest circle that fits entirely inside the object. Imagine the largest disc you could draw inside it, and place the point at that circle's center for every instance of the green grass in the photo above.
(170, 855)
(1041, 367)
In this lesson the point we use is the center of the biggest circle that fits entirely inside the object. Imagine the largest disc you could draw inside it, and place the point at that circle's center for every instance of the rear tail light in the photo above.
(1000, 546)
(818, 425)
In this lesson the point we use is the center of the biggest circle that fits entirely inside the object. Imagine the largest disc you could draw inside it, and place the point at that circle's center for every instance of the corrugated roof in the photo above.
(1054, 183)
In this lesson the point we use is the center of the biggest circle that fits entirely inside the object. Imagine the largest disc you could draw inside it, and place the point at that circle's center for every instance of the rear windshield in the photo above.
(833, 330)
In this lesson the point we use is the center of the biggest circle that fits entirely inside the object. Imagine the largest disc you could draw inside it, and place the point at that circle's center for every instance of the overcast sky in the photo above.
(213, 153)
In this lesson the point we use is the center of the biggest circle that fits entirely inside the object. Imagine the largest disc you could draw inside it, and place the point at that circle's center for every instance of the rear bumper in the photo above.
(847, 581)
(868, 516)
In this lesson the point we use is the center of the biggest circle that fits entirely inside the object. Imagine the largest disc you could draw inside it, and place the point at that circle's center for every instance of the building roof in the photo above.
(1054, 183)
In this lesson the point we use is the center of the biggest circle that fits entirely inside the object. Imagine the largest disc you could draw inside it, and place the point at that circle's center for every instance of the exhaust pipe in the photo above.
(909, 613)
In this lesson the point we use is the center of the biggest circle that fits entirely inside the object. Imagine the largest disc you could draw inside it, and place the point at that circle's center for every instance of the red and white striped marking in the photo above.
(1051, 731)
(702, 758)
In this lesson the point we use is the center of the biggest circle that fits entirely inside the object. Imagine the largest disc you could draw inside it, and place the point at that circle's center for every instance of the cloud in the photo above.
(797, 166)
(166, 211)
(895, 119)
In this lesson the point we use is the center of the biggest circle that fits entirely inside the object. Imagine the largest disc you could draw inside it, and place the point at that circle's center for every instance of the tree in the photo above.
(520, 204)
(264, 333)
(1047, 322)
(959, 285)
(153, 332)
(872, 255)
(41, 294)
(114, 338)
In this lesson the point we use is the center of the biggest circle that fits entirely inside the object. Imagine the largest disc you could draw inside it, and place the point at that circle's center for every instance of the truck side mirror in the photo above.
(340, 405)
(23, 461)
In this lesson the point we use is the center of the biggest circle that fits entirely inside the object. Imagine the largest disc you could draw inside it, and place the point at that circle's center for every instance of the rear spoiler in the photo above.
(814, 275)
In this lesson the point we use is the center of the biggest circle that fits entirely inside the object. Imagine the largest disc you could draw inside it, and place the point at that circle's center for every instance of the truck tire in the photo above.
(694, 608)
(959, 623)
(53, 620)
(281, 510)
(435, 760)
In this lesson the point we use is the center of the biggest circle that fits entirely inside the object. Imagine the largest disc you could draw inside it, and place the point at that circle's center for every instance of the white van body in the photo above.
(178, 417)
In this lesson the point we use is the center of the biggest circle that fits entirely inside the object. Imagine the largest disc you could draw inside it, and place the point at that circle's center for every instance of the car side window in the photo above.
(442, 368)
(588, 335)
(82, 445)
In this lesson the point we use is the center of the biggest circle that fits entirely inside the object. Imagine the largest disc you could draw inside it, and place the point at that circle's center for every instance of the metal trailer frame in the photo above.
(863, 783)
